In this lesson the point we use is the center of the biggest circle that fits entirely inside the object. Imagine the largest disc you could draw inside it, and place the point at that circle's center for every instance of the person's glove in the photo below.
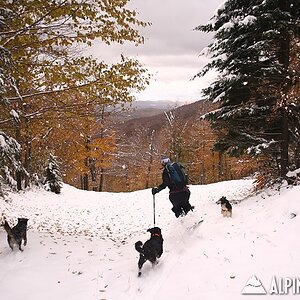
(154, 190)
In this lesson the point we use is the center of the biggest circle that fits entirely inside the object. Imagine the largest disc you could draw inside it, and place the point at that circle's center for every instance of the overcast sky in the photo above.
(171, 50)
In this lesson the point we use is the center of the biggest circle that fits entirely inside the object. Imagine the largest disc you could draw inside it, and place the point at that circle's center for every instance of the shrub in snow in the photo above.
(53, 180)
(293, 177)
(36, 180)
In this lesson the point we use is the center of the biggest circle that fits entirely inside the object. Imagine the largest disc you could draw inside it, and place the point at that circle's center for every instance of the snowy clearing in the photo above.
(81, 244)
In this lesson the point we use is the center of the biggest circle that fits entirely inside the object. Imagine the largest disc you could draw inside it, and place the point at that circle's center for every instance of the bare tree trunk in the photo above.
(81, 182)
(86, 182)
(27, 145)
(202, 175)
(225, 167)
(220, 165)
(87, 164)
(284, 160)
(27, 161)
(18, 172)
(213, 166)
(101, 180)
(284, 59)
(150, 160)
(127, 178)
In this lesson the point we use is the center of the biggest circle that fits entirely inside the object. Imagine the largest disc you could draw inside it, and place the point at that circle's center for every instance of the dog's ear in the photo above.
(150, 230)
(221, 199)
(158, 230)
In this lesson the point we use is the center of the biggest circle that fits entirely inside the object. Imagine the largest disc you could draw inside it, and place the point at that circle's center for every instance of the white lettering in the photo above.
(288, 283)
(284, 286)
(273, 288)
(296, 287)
(280, 285)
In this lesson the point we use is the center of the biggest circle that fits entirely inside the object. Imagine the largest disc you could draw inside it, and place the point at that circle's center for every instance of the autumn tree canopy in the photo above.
(51, 80)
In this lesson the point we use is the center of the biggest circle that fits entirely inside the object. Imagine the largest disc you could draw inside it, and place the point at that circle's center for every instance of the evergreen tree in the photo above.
(255, 48)
(53, 181)
(5, 59)
(10, 164)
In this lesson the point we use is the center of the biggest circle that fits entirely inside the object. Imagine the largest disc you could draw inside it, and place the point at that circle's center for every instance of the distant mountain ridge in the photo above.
(139, 109)
(157, 119)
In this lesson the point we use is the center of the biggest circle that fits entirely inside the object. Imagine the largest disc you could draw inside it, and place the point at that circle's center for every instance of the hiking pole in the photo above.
(154, 209)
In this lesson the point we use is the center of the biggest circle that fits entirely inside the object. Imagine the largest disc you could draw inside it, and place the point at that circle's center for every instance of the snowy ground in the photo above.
(81, 245)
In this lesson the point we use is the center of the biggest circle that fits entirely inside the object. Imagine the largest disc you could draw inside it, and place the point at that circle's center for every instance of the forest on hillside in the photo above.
(178, 133)
(60, 109)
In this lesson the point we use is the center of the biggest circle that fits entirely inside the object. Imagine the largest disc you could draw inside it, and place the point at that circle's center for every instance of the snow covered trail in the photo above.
(81, 244)
(114, 216)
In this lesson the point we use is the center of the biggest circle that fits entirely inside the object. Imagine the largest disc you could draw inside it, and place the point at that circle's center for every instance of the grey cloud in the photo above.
(171, 50)
(173, 22)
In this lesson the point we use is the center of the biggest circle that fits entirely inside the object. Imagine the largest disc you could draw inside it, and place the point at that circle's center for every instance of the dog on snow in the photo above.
(151, 250)
(226, 208)
(16, 234)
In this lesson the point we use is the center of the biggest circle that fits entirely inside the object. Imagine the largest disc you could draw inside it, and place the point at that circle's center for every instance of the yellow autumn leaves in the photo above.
(56, 89)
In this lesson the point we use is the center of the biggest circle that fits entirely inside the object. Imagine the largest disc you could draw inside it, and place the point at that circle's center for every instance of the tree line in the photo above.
(256, 124)
(256, 52)
(55, 99)
(179, 133)
(50, 90)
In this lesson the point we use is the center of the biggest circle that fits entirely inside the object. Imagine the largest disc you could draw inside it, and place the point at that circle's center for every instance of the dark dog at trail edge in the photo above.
(226, 208)
(151, 250)
(17, 234)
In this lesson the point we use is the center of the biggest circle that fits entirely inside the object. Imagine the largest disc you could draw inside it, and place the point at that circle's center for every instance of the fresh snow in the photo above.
(248, 20)
(3, 143)
(294, 173)
(81, 244)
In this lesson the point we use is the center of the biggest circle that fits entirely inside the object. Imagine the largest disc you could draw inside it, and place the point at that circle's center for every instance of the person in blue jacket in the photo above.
(179, 196)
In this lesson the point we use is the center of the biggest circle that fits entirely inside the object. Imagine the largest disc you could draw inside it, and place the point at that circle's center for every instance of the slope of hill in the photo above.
(81, 244)
(187, 112)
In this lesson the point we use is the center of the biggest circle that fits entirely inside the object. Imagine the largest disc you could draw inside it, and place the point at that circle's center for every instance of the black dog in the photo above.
(152, 249)
(226, 208)
(17, 234)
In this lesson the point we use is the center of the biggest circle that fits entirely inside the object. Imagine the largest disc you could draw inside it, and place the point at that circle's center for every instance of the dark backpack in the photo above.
(176, 174)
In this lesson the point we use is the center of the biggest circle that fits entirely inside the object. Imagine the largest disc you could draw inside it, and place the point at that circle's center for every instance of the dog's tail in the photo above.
(138, 247)
(8, 229)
